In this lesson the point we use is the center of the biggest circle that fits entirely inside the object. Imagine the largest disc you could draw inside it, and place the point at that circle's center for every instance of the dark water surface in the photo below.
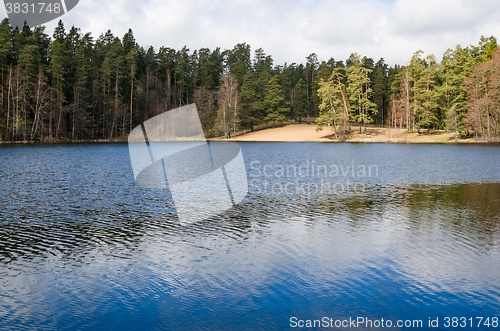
(82, 247)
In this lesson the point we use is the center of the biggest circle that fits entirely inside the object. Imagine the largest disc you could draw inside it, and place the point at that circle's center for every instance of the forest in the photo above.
(72, 87)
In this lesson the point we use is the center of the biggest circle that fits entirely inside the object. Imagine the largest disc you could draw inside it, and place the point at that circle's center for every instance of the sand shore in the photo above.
(308, 133)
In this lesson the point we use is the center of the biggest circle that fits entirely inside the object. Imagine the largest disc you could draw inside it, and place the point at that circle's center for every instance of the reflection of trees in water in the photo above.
(471, 209)
(29, 239)
(468, 209)
(113, 229)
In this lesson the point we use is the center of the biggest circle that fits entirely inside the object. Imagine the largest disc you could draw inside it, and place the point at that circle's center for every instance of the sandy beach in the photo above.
(292, 132)
(308, 133)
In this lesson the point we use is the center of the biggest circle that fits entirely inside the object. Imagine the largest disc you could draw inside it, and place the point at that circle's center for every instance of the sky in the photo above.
(290, 30)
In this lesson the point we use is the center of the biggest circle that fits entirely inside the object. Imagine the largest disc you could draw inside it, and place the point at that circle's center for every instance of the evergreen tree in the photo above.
(205, 68)
(311, 69)
(274, 102)
(5, 47)
(300, 105)
(288, 81)
(68, 86)
(380, 81)
(488, 47)
(58, 54)
(334, 108)
(250, 105)
(238, 61)
(27, 70)
(262, 73)
(415, 72)
(456, 66)
(205, 104)
(428, 98)
(359, 92)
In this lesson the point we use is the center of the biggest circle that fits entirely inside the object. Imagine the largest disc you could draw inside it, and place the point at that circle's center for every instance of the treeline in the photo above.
(461, 93)
(72, 86)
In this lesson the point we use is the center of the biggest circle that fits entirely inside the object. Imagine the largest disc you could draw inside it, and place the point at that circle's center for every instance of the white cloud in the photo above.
(291, 30)
(431, 17)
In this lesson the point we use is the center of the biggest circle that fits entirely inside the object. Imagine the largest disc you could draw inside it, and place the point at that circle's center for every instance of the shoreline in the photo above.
(66, 141)
(292, 132)
(308, 133)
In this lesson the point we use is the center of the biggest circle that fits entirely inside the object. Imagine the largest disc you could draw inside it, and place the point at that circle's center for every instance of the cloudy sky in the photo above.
(289, 30)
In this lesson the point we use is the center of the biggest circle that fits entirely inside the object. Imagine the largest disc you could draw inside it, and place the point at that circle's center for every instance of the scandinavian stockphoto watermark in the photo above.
(169, 151)
(36, 12)
(310, 178)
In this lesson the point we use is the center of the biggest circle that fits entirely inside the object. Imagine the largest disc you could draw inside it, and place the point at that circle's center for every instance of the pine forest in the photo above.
(74, 87)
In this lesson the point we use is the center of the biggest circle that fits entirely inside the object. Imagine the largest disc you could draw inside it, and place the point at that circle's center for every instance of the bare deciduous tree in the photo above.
(483, 96)
(42, 100)
(228, 105)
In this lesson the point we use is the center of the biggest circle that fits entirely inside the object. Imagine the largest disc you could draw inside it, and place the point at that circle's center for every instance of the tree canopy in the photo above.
(73, 86)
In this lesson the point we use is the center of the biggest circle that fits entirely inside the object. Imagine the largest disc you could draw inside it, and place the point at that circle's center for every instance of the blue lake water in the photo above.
(338, 231)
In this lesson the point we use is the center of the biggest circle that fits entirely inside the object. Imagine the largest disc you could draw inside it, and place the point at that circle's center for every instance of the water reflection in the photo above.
(82, 247)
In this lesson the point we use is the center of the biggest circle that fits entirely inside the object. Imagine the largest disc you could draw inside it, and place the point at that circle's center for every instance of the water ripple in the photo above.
(82, 247)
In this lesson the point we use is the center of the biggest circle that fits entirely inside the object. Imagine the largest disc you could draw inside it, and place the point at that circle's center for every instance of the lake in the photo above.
(328, 234)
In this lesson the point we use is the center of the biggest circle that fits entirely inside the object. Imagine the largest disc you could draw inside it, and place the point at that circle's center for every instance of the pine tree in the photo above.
(166, 59)
(274, 102)
(250, 105)
(311, 87)
(415, 72)
(455, 67)
(300, 105)
(130, 59)
(115, 55)
(380, 81)
(27, 70)
(5, 47)
(205, 104)
(82, 101)
(427, 95)
(58, 54)
(204, 69)
(262, 73)
(360, 92)
(238, 61)
(334, 108)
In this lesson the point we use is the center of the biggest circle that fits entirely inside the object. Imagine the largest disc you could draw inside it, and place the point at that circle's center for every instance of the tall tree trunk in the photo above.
(116, 107)
(51, 113)
(74, 114)
(9, 92)
(59, 97)
(1, 94)
(456, 127)
(17, 103)
(37, 104)
(169, 82)
(488, 117)
(131, 94)
(104, 108)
